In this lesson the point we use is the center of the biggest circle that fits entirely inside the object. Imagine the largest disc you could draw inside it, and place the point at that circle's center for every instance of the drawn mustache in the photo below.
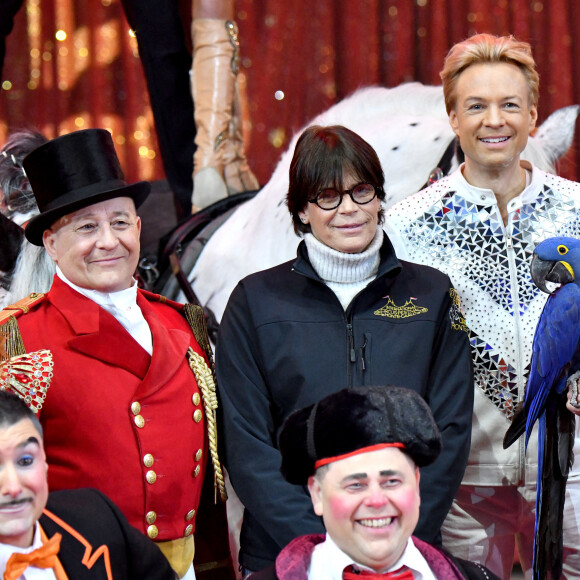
(15, 502)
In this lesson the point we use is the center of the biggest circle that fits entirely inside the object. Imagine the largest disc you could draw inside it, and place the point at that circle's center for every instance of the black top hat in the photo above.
(354, 419)
(74, 171)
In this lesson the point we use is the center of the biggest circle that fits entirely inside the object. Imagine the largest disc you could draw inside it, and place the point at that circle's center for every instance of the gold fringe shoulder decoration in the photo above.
(196, 319)
(11, 343)
(204, 377)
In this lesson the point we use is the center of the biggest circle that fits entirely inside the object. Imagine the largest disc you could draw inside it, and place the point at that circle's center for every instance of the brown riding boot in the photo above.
(238, 175)
(220, 165)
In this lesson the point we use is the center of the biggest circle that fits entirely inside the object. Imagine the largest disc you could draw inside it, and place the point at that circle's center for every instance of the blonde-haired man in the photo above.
(480, 226)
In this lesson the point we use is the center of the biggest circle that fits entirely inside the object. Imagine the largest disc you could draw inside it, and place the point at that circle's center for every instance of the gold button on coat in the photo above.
(139, 421)
(197, 416)
(189, 515)
(188, 530)
(152, 532)
(135, 408)
(198, 454)
(151, 476)
(151, 517)
(196, 471)
(148, 460)
(196, 398)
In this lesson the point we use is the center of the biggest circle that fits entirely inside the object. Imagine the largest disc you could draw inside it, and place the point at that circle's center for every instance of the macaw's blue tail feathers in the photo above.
(555, 443)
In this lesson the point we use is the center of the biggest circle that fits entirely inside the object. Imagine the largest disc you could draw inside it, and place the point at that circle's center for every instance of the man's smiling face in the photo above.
(23, 485)
(97, 247)
(493, 116)
(370, 504)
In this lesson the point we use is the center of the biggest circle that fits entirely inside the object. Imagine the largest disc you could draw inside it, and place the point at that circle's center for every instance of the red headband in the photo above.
(376, 447)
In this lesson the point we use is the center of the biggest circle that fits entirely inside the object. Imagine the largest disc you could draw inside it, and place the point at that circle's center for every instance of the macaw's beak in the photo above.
(549, 271)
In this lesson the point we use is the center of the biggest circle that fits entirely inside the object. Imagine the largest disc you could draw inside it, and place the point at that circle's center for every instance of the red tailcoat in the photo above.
(104, 387)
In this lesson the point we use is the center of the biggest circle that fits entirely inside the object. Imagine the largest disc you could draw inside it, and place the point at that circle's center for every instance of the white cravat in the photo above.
(31, 573)
(328, 562)
(123, 306)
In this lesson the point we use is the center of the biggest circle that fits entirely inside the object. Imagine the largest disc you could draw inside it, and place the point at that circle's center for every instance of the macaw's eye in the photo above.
(562, 250)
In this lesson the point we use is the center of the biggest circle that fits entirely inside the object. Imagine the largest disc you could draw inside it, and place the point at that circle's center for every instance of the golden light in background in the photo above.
(61, 54)
(81, 44)
(133, 43)
(108, 42)
(277, 137)
(33, 15)
(142, 136)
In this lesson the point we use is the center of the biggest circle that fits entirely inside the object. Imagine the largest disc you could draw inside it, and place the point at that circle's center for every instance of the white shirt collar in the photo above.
(6, 551)
(121, 299)
(482, 195)
(123, 306)
(328, 562)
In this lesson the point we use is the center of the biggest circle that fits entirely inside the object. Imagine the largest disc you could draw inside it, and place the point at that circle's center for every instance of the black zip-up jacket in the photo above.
(285, 342)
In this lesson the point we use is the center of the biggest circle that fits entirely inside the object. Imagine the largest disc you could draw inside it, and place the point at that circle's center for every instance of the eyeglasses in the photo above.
(328, 199)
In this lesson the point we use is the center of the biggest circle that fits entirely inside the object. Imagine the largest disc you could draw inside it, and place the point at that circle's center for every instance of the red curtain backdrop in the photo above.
(73, 64)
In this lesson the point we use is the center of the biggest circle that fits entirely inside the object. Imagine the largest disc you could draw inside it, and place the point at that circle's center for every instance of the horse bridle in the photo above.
(444, 166)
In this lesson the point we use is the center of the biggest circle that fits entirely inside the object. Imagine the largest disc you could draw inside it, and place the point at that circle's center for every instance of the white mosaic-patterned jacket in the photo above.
(458, 229)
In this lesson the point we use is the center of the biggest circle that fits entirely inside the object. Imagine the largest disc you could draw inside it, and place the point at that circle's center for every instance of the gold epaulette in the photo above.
(196, 318)
(21, 307)
(10, 338)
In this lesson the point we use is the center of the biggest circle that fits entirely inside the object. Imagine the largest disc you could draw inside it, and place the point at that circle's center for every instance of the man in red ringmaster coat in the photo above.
(119, 379)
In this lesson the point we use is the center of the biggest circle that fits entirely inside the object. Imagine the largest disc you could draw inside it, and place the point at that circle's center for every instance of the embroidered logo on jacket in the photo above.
(391, 310)
(455, 316)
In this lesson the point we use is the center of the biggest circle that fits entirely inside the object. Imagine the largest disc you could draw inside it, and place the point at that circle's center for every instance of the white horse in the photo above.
(407, 126)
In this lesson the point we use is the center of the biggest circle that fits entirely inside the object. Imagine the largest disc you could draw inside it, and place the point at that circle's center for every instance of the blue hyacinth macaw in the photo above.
(555, 358)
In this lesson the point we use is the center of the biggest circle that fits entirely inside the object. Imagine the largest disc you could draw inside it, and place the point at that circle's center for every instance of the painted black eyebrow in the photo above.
(31, 439)
(384, 473)
(355, 476)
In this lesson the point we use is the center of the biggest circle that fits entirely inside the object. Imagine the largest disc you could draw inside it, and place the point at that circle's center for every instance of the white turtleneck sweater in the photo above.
(345, 274)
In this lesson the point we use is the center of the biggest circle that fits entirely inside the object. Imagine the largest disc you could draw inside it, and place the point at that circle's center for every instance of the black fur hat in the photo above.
(354, 419)
(74, 171)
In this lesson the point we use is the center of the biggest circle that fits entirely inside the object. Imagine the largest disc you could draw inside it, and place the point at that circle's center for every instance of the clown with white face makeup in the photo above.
(47, 536)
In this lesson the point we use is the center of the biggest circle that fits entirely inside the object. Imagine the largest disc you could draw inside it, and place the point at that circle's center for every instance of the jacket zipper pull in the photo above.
(351, 343)
(362, 355)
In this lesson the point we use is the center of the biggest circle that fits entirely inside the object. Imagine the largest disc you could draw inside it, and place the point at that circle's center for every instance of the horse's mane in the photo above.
(33, 272)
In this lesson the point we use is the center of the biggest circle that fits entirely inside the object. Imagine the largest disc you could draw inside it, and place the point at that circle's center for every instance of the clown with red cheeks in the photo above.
(360, 451)
(73, 534)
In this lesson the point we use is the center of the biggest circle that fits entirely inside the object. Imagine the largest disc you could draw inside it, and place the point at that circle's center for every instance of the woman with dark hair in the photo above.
(345, 313)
